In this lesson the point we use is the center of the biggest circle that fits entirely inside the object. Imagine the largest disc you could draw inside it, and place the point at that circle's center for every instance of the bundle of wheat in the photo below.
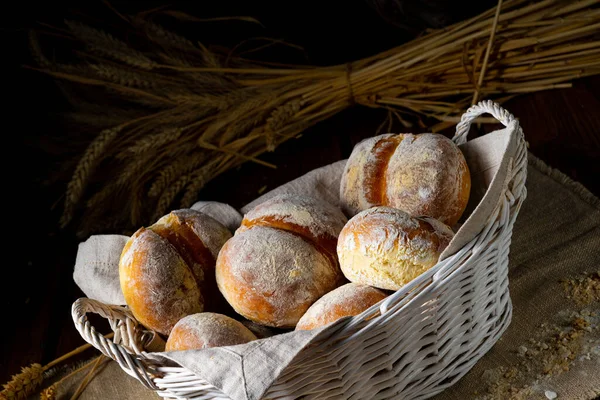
(199, 113)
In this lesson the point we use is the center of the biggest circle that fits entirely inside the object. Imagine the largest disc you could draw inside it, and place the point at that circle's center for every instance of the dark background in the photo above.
(562, 127)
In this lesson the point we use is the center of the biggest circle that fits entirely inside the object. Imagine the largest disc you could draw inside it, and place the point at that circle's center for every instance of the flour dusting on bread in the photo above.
(348, 300)
(157, 284)
(272, 276)
(387, 248)
(319, 217)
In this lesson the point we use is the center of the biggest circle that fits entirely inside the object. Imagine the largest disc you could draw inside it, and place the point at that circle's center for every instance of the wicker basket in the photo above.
(412, 345)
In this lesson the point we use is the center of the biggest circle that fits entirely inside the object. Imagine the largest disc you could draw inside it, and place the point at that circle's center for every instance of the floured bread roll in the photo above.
(346, 301)
(167, 270)
(387, 248)
(204, 330)
(281, 259)
(424, 175)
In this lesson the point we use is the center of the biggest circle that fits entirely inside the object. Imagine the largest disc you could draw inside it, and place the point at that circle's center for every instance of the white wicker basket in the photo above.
(412, 345)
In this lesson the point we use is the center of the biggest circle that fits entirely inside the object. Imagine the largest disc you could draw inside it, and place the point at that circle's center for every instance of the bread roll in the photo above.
(424, 175)
(203, 330)
(346, 301)
(281, 259)
(387, 248)
(167, 270)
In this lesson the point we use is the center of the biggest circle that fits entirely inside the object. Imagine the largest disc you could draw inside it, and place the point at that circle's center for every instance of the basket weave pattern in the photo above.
(412, 345)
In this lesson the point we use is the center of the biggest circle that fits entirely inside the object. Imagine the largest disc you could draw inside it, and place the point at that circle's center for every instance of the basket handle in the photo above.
(124, 348)
(483, 107)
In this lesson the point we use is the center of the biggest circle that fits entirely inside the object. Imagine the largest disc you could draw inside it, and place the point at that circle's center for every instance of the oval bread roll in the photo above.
(281, 260)
(204, 330)
(424, 175)
(167, 270)
(387, 248)
(346, 301)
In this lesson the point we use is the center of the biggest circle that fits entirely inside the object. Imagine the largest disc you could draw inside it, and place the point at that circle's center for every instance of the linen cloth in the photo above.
(243, 372)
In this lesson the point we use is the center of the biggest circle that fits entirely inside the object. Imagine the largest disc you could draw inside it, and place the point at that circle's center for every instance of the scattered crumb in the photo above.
(583, 290)
(554, 348)
(522, 350)
(262, 189)
(550, 394)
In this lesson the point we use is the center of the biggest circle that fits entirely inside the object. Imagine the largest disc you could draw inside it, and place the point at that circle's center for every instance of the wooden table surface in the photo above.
(561, 126)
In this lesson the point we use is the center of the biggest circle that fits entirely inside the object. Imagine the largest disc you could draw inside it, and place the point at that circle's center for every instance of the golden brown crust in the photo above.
(205, 330)
(424, 175)
(189, 246)
(157, 284)
(348, 300)
(314, 220)
(167, 269)
(281, 259)
(375, 183)
(271, 276)
(191, 233)
(326, 242)
(428, 176)
(387, 248)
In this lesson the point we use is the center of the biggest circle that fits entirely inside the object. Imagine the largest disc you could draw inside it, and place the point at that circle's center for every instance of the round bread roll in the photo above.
(387, 248)
(346, 301)
(203, 330)
(424, 175)
(281, 259)
(167, 270)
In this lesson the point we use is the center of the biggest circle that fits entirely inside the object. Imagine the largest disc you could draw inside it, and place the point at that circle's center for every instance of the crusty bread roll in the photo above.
(387, 248)
(346, 301)
(203, 330)
(424, 175)
(167, 270)
(281, 259)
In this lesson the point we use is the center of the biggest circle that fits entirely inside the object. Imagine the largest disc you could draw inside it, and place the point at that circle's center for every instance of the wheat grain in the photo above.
(49, 393)
(197, 182)
(164, 37)
(243, 126)
(278, 119)
(84, 169)
(246, 107)
(234, 109)
(23, 384)
(122, 76)
(155, 141)
(105, 44)
(180, 166)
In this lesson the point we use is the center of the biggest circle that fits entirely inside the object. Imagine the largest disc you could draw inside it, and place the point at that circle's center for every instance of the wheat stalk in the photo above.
(89, 376)
(25, 383)
(204, 112)
(50, 392)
